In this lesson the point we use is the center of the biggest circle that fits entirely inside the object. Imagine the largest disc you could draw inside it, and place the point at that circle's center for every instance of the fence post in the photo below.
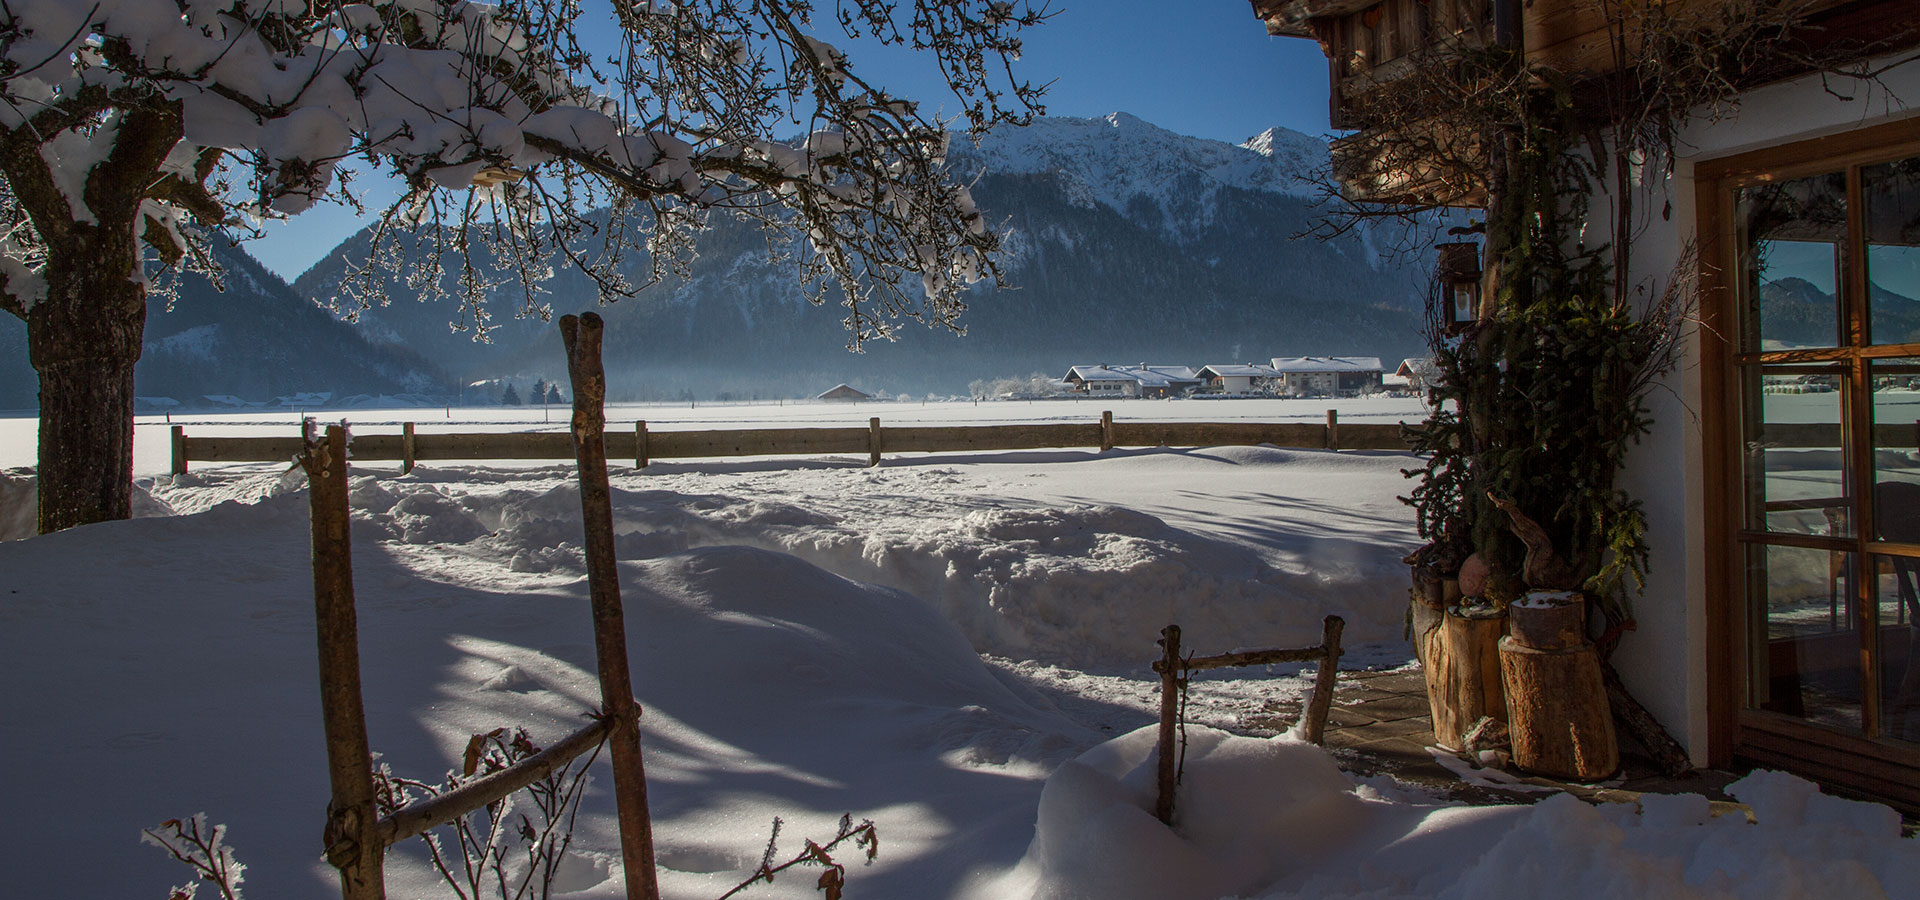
(1169, 711)
(589, 379)
(180, 449)
(873, 442)
(1333, 429)
(640, 444)
(406, 448)
(352, 835)
(1324, 680)
(1106, 430)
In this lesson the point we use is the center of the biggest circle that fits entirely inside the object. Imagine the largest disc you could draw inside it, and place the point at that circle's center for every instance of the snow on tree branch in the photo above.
(156, 116)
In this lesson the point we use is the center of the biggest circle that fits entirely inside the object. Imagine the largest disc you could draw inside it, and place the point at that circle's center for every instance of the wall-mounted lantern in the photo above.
(1459, 275)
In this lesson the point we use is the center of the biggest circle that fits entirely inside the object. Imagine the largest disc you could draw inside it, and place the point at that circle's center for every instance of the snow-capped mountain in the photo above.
(1120, 161)
(1127, 243)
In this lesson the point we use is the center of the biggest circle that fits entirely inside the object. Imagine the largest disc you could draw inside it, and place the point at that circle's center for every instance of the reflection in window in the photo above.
(1892, 195)
(1896, 434)
(1899, 650)
(1795, 460)
(1794, 232)
(1804, 619)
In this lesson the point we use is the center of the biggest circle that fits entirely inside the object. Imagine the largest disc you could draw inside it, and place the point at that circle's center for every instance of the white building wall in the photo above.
(1664, 661)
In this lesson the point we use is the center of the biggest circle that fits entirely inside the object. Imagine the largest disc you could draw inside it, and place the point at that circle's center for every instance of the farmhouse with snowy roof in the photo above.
(1326, 376)
(1761, 162)
(1250, 378)
(1133, 381)
(1417, 373)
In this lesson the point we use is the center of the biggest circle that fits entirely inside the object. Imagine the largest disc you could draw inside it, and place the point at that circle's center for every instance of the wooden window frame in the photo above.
(1883, 768)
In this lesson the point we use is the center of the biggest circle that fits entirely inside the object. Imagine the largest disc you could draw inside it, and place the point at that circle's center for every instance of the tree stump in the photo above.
(1463, 672)
(1557, 707)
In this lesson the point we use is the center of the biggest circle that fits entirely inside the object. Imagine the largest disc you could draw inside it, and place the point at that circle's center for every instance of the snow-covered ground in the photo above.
(954, 646)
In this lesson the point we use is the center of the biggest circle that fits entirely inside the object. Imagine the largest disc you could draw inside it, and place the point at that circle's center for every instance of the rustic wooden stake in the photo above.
(1326, 653)
(179, 450)
(1324, 680)
(352, 834)
(1333, 429)
(873, 442)
(406, 448)
(1106, 430)
(1169, 713)
(589, 378)
(640, 444)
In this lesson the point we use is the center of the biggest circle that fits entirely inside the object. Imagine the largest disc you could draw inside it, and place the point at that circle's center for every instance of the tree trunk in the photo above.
(84, 339)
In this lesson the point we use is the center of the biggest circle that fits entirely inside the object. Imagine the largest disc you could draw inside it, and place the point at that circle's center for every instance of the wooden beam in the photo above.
(415, 819)
(645, 446)
(352, 837)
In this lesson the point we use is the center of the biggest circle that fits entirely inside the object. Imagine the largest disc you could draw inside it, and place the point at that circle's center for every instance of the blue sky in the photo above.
(1200, 67)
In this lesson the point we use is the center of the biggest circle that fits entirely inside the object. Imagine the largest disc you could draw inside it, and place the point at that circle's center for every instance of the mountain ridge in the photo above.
(1126, 242)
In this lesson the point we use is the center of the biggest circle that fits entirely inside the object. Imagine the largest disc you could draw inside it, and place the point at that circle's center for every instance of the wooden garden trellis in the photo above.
(1170, 666)
(356, 837)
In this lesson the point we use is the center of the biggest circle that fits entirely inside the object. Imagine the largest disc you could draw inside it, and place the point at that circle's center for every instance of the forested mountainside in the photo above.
(257, 340)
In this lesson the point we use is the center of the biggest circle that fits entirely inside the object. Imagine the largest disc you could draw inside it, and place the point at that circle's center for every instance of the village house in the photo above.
(1133, 381)
(1778, 624)
(1416, 373)
(1326, 376)
(841, 393)
(1251, 378)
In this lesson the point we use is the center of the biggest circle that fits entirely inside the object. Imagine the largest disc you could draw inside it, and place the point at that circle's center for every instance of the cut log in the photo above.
(1667, 752)
(1463, 677)
(1557, 712)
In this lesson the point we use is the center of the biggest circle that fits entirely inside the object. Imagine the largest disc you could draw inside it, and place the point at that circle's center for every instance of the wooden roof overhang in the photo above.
(1373, 44)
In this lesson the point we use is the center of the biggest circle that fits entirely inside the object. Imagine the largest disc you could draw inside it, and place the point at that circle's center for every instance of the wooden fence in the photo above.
(643, 446)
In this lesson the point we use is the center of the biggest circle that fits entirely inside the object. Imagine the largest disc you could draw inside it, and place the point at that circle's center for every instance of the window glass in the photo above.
(1806, 659)
(1898, 584)
(1794, 234)
(1896, 447)
(1891, 192)
(1795, 459)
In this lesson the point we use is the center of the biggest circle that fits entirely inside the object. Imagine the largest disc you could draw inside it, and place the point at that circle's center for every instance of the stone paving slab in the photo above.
(1380, 725)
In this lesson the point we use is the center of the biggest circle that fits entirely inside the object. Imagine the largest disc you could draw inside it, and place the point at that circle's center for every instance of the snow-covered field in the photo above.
(954, 646)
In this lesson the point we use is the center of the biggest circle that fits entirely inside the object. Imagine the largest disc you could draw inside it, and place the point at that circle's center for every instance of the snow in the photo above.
(954, 646)
(1146, 162)
(1273, 818)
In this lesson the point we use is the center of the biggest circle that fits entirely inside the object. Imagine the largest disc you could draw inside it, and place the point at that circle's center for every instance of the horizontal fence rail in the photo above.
(643, 446)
